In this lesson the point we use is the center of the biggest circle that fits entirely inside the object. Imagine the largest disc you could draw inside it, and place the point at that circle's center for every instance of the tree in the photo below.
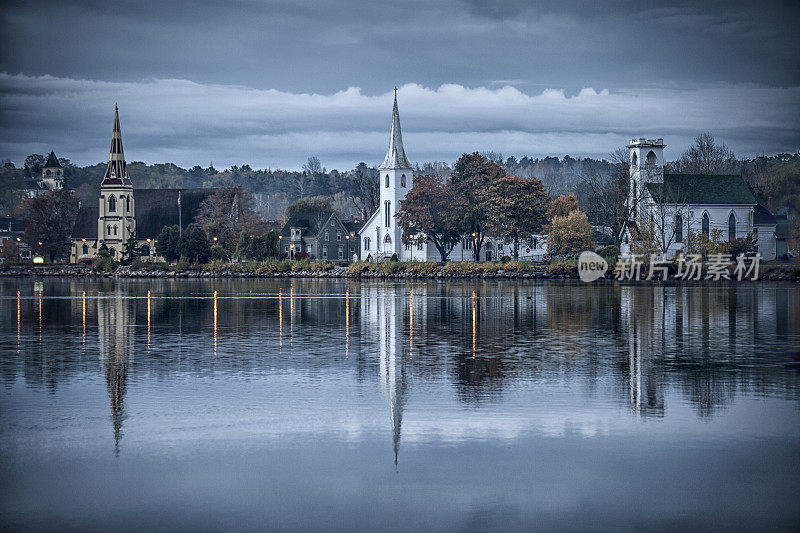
(10, 250)
(705, 156)
(562, 206)
(33, 164)
(431, 207)
(168, 244)
(366, 191)
(228, 212)
(130, 251)
(194, 245)
(609, 200)
(644, 239)
(515, 208)
(473, 173)
(316, 204)
(257, 248)
(49, 219)
(569, 235)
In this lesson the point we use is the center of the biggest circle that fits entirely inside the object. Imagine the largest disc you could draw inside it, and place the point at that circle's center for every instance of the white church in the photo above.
(679, 204)
(381, 237)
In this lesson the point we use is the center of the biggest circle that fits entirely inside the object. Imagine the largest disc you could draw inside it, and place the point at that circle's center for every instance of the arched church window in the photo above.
(115, 229)
(678, 228)
(651, 158)
(705, 225)
(85, 249)
(387, 181)
(47, 173)
(366, 243)
(387, 239)
(127, 204)
(112, 204)
(388, 210)
(403, 180)
(108, 230)
(634, 159)
(731, 227)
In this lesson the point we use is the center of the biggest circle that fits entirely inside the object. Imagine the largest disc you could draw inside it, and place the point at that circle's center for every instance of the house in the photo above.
(318, 235)
(679, 204)
(123, 211)
(51, 178)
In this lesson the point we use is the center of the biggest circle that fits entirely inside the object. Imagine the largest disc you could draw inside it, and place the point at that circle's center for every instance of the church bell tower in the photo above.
(396, 177)
(115, 222)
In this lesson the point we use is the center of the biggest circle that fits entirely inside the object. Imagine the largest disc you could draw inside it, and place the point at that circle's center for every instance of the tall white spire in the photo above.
(395, 156)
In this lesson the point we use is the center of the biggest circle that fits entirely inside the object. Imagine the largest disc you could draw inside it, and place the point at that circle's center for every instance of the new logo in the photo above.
(591, 266)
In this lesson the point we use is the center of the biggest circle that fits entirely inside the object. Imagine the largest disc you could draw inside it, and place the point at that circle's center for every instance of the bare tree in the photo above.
(705, 156)
(612, 200)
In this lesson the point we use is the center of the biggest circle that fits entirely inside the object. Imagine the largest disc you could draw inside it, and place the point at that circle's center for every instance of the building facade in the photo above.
(318, 235)
(680, 204)
(124, 212)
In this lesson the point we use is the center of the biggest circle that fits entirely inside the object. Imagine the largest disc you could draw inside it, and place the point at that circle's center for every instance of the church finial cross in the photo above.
(395, 91)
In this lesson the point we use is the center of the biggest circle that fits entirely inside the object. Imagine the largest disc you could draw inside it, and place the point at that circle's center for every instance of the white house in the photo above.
(678, 204)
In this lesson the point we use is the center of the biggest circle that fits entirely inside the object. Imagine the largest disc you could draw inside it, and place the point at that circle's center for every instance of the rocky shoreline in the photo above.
(783, 272)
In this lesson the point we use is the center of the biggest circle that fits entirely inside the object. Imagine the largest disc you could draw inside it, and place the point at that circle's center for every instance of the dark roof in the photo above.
(353, 227)
(86, 223)
(311, 221)
(157, 208)
(52, 161)
(701, 189)
(761, 215)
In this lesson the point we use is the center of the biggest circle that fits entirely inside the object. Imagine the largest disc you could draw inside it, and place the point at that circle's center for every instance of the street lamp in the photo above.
(215, 239)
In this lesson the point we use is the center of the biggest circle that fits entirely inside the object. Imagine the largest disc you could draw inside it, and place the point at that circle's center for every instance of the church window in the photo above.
(112, 204)
(127, 204)
(403, 180)
(705, 225)
(387, 181)
(678, 228)
(366, 243)
(651, 158)
(115, 229)
(85, 249)
(419, 245)
(387, 239)
(47, 173)
(634, 159)
(388, 210)
(731, 227)
(108, 230)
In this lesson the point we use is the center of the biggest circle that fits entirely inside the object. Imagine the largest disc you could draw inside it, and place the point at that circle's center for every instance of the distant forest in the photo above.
(354, 192)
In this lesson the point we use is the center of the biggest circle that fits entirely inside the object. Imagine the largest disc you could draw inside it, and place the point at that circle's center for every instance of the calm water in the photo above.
(336, 405)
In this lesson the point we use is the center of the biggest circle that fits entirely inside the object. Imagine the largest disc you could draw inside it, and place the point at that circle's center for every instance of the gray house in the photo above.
(318, 235)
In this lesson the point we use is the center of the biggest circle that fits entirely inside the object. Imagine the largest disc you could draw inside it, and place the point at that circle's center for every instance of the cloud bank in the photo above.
(192, 123)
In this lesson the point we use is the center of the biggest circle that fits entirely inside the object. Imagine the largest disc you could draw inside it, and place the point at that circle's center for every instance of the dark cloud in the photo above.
(264, 82)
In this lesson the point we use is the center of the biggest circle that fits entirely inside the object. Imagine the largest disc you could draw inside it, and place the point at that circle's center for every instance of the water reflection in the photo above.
(648, 348)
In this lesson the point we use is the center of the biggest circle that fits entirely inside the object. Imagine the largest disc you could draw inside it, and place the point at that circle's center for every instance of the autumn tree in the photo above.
(48, 219)
(569, 235)
(227, 213)
(562, 206)
(431, 207)
(516, 208)
(473, 173)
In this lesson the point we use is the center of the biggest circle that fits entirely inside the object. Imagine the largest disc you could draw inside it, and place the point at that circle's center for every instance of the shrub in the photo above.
(563, 268)
(104, 263)
(505, 259)
(358, 268)
(218, 253)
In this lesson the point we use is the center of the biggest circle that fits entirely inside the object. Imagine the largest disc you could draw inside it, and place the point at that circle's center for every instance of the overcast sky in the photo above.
(271, 83)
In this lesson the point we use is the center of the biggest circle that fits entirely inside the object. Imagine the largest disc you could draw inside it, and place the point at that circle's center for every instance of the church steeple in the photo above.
(395, 156)
(116, 172)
